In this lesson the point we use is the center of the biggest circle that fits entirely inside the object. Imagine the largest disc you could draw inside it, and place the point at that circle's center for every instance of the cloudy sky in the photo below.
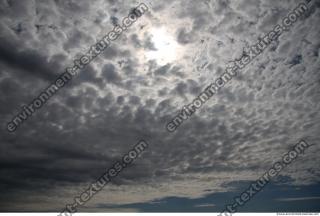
(138, 84)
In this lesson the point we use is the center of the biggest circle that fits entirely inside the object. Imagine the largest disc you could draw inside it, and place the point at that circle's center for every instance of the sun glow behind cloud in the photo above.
(165, 44)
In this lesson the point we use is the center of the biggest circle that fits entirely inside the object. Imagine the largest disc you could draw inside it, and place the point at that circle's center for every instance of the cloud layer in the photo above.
(124, 96)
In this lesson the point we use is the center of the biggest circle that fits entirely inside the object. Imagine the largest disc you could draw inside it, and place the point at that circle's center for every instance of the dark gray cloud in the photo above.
(28, 62)
(110, 74)
(125, 95)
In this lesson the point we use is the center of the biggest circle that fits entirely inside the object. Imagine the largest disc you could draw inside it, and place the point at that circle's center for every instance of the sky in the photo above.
(137, 85)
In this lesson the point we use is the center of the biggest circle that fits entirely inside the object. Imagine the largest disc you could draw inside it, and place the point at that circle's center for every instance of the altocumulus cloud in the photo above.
(124, 95)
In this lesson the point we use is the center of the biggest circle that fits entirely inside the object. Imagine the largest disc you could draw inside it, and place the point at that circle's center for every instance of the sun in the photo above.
(165, 45)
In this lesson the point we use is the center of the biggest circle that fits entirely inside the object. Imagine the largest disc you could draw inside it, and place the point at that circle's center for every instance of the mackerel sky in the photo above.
(134, 88)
